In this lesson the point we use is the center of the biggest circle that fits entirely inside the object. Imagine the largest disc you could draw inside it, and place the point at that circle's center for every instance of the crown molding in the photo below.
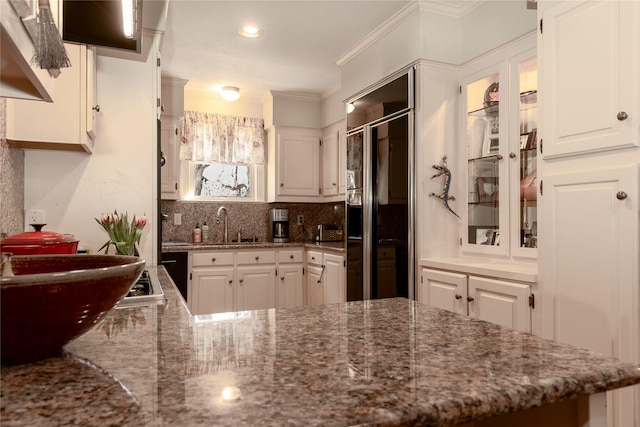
(293, 96)
(385, 28)
(444, 7)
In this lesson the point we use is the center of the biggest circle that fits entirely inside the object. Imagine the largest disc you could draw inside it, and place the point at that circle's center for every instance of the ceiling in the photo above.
(298, 52)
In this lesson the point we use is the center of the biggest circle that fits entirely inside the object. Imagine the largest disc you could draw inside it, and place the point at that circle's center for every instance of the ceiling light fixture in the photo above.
(230, 93)
(127, 18)
(250, 31)
(350, 107)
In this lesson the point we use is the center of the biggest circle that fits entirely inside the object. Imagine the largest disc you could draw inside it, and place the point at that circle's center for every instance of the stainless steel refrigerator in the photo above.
(379, 207)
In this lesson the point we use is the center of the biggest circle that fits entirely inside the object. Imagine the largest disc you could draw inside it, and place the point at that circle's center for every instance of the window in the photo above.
(226, 181)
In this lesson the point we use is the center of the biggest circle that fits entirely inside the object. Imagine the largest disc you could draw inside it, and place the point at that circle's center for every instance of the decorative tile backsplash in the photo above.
(248, 218)
(12, 179)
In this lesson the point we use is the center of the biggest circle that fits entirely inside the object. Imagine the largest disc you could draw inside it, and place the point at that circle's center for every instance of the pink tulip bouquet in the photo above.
(123, 234)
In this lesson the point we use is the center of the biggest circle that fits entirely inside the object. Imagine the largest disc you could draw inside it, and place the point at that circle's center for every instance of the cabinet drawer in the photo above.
(314, 257)
(208, 259)
(256, 257)
(290, 256)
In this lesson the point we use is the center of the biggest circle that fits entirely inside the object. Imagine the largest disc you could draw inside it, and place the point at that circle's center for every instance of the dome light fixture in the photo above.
(250, 31)
(230, 93)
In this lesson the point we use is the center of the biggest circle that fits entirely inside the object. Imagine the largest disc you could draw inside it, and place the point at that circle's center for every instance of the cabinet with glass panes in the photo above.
(500, 115)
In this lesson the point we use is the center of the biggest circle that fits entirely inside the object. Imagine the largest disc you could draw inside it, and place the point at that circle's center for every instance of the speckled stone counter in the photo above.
(334, 246)
(383, 362)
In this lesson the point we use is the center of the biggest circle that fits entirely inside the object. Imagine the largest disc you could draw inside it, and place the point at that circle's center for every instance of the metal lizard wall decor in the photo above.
(444, 195)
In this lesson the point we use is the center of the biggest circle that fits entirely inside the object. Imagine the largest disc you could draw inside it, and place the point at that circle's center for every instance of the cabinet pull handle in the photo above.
(257, 258)
(282, 184)
(213, 259)
(334, 184)
(470, 299)
(321, 274)
(458, 296)
(97, 109)
(241, 280)
(622, 116)
(291, 256)
(512, 155)
(499, 157)
(163, 159)
(621, 195)
(281, 277)
(230, 281)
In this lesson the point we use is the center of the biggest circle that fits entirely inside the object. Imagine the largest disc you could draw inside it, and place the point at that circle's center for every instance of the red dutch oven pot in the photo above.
(39, 242)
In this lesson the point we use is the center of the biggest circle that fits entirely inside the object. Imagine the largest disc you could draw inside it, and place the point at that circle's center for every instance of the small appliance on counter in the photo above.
(279, 224)
(329, 233)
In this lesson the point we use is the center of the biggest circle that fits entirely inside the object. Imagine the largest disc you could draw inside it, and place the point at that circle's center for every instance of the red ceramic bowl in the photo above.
(55, 298)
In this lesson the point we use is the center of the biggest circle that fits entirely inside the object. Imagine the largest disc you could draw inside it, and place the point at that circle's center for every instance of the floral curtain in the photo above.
(207, 137)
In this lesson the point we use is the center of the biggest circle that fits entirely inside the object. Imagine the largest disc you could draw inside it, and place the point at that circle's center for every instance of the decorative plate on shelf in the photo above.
(492, 95)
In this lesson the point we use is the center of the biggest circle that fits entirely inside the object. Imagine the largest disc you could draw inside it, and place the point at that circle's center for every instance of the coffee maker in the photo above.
(279, 222)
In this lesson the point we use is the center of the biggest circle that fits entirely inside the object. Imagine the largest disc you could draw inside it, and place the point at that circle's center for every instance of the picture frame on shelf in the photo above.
(488, 189)
(491, 142)
(484, 235)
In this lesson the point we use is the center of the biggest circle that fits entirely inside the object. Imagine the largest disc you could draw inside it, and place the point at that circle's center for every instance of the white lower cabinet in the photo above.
(290, 291)
(493, 300)
(325, 281)
(223, 281)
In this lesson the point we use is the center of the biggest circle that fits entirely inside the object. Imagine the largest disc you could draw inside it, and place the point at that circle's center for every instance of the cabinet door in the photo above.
(298, 171)
(500, 302)
(443, 290)
(313, 285)
(330, 164)
(334, 279)
(255, 288)
(168, 171)
(62, 124)
(213, 290)
(290, 288)
(485, 110)
(342, 162)
(590, 266)
(590, 76)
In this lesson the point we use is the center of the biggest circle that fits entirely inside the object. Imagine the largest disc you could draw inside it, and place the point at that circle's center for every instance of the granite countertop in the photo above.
(182, 247)
(380, 362)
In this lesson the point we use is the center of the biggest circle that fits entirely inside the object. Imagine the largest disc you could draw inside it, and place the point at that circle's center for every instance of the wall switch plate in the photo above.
(35, 216)
(300, 219)
(177, 219)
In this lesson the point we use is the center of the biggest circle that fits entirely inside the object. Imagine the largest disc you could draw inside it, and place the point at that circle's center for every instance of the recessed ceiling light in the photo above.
(250, 31)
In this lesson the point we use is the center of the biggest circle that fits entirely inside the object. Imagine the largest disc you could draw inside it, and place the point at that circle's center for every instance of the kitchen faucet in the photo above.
(226, 228)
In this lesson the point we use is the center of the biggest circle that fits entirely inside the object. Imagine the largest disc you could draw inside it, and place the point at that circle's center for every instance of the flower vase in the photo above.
(123, 249)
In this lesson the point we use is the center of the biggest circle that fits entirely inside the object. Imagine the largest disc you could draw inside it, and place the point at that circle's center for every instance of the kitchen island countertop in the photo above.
(381, 362)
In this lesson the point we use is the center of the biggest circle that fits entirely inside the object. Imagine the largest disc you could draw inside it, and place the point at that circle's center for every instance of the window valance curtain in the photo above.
(207, 137)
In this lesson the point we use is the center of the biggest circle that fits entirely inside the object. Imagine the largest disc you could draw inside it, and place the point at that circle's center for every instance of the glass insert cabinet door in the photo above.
(501, 118)
(485, 115)
(527, 154)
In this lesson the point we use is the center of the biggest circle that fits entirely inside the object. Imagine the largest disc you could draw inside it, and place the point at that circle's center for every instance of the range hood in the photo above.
(18, 78)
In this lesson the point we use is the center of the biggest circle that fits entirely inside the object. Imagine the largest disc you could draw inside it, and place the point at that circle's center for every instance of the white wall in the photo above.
(75, 188)
(211, 102)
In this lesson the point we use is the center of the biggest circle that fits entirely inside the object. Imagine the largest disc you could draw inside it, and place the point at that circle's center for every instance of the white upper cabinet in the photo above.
(589, 53)
(295, 174)
(330, 166)
(68, 123)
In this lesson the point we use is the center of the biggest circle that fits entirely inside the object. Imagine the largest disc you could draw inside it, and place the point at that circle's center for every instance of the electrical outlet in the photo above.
(35, 217)
(177, 219)
(300, 219)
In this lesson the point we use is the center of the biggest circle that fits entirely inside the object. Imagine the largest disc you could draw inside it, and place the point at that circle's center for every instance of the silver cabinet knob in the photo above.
(470, 299)
(621, 195)
(458, 296)
(622, 116)
(512, 155)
